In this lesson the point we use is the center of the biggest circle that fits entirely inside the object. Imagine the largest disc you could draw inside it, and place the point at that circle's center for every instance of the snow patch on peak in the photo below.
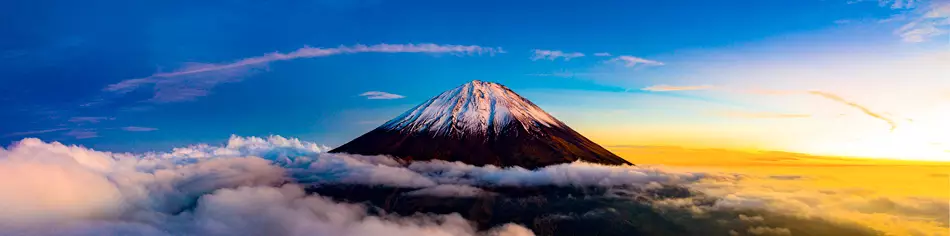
(476, 107)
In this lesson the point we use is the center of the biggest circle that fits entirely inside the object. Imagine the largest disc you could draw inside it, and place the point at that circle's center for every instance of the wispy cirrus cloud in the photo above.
(669, 88)
(893, 4)
(138, 129)
(89, 119)
(565, 74)
(863, 109)
(82, 133)
(32, 132)
(195, 80)
(381, 95)
(920, 20)
(631, 61)
(541, 54)
(843, 21)
(761, 115)
(928, 21)
(602, 54)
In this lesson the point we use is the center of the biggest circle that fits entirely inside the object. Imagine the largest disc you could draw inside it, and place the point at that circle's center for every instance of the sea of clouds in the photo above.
(256, 186)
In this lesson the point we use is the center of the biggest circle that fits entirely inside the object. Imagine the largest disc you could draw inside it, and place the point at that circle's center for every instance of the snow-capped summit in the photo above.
(480, 123)
(476, 107)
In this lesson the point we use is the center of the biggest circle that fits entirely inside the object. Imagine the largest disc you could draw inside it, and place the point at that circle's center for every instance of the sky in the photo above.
(844, 78)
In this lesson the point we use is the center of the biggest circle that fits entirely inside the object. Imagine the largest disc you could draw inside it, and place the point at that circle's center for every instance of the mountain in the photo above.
(480, 123)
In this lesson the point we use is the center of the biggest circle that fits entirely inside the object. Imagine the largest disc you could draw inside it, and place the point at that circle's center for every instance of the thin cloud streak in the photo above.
(669, 88)
(893, 4)
(82, 133)
(24, 133)
(138, 129)
(306, 52)
(540, 54)
(564, 74)
(867, 111)
(89, 119)
(381, 95)
(631, 61)
(762, 115)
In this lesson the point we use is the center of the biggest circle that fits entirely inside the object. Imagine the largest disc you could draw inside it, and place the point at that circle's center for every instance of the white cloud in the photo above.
(138, 129)
(381, 95)
(843, 21)
(194, 81)
(899, 4)
(540, 54)
(349, 169)
(602, 54)
(922, 33)
(572, 174)
(668, 88)
(893, 4)
(89, 119)
(631, 61)
(289, 211)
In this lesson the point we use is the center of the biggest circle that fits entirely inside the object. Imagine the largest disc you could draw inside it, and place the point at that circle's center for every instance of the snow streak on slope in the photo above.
(477, 108)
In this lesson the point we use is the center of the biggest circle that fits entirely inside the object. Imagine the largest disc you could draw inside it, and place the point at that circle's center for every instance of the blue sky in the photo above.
(60, 57)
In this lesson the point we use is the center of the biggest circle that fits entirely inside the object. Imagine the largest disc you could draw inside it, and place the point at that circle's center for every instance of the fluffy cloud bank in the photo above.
(258, 186)
(54, 189)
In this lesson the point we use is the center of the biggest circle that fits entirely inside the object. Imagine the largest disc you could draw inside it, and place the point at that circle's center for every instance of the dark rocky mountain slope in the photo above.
(480, 123)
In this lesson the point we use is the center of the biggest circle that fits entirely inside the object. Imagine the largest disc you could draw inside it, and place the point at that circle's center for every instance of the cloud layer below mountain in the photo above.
(256, 186)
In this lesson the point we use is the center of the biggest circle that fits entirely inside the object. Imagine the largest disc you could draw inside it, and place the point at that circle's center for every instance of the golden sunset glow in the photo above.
(885, 105)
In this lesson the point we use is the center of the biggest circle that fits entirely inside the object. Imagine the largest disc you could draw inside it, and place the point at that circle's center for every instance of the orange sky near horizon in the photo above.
(895, 178)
